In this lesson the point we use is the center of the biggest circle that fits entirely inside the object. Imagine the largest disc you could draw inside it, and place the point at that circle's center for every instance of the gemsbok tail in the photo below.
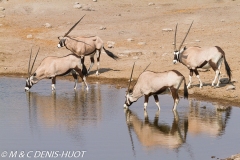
(227, 67)
(185, 89)
(110, 54)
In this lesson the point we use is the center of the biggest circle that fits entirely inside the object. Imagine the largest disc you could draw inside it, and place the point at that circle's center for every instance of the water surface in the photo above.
(94, 121)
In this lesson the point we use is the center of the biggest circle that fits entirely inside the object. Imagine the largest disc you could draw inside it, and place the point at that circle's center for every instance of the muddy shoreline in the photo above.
(123, 83)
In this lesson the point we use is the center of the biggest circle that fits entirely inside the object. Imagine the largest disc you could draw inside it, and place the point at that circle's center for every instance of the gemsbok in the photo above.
(85, 46)
(51, 67)
(197, 57)
(154, 83)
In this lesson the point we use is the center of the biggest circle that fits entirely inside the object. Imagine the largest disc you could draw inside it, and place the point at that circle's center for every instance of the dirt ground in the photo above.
(150, 25)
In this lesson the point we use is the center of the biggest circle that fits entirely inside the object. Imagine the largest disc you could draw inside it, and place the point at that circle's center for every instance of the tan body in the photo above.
(154, 83)
(50, 67)
(207, 57)
(85, 46)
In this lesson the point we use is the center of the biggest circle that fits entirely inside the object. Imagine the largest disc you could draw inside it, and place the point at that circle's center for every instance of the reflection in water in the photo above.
(68, 111)
(195, 120)
(208, 120)
(152, 134)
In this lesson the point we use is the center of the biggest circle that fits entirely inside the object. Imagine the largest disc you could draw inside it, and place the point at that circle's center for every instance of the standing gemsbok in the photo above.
(154, 83)
(85, 46)
(197, 57)
(51, 67)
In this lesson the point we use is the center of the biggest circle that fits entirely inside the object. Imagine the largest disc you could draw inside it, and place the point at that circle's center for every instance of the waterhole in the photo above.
(95, 122)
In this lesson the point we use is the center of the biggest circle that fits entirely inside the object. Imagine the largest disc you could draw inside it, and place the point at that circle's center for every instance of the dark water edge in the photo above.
(96, 122)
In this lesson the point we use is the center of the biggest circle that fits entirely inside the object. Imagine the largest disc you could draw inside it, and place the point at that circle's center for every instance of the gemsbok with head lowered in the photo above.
(198, 57)
(85, 46)
(154, 83)
(51, 67)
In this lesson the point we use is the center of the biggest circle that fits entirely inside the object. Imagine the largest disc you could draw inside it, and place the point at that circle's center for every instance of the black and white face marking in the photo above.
(29, 84)
(61, 43)
(176, 57)
(127, 102)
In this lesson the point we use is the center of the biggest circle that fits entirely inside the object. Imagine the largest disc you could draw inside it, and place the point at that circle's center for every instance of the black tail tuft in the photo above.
(110, 54)
(84, 70)
(185, 89)
(228, 69)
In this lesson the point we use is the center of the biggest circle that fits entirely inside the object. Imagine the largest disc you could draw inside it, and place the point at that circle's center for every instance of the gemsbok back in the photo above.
(85, 46)
(51, 67)
(154, 83)
(197, 57)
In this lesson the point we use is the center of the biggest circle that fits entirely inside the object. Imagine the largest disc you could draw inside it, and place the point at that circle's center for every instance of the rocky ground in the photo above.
(140, 31)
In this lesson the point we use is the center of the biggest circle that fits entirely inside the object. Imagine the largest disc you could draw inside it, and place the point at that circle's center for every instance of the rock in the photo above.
(77, 6)
(87, 8)
(230, 87)
(2, 8)
(130, 39)
(110, 44)
(5, 68)
(164, 54)
(47, 25)
(151, 4)
(76, 3)
(2, 16)
(224, 80)
(102, 28)
(94, 0)
(167, 29)
(222, 20)
(29, 36)
(135, 57)
(232, 80)
(141, 43)
(197, 40)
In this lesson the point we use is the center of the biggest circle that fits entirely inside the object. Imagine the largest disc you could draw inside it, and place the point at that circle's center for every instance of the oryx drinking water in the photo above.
(154, 83)
(51, 67)
(85, 46)
(197, 57)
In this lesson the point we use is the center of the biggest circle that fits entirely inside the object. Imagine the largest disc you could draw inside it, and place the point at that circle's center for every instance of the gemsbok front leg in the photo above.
(190, 78)
(75, 76)
(146, 97)
(157, 101)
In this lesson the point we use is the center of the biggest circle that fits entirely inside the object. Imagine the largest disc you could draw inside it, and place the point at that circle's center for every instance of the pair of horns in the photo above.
(73, 26)
(30, 71)
(175, 47)
(132, 74)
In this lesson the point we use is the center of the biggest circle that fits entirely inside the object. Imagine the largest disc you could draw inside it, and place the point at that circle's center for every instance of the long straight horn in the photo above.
(147, 67)
(131, 77)
(29, 63)
(185, 36)
(175, 47)
(34, 60)
(73, 27)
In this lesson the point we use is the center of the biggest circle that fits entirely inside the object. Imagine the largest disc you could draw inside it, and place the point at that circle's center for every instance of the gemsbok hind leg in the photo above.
(216, 68)
(175, 97)
(98, 61)
(190, 78)
(198, 77)
(157, 101)
(79, 71)
(92, 62)
(53, 83)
